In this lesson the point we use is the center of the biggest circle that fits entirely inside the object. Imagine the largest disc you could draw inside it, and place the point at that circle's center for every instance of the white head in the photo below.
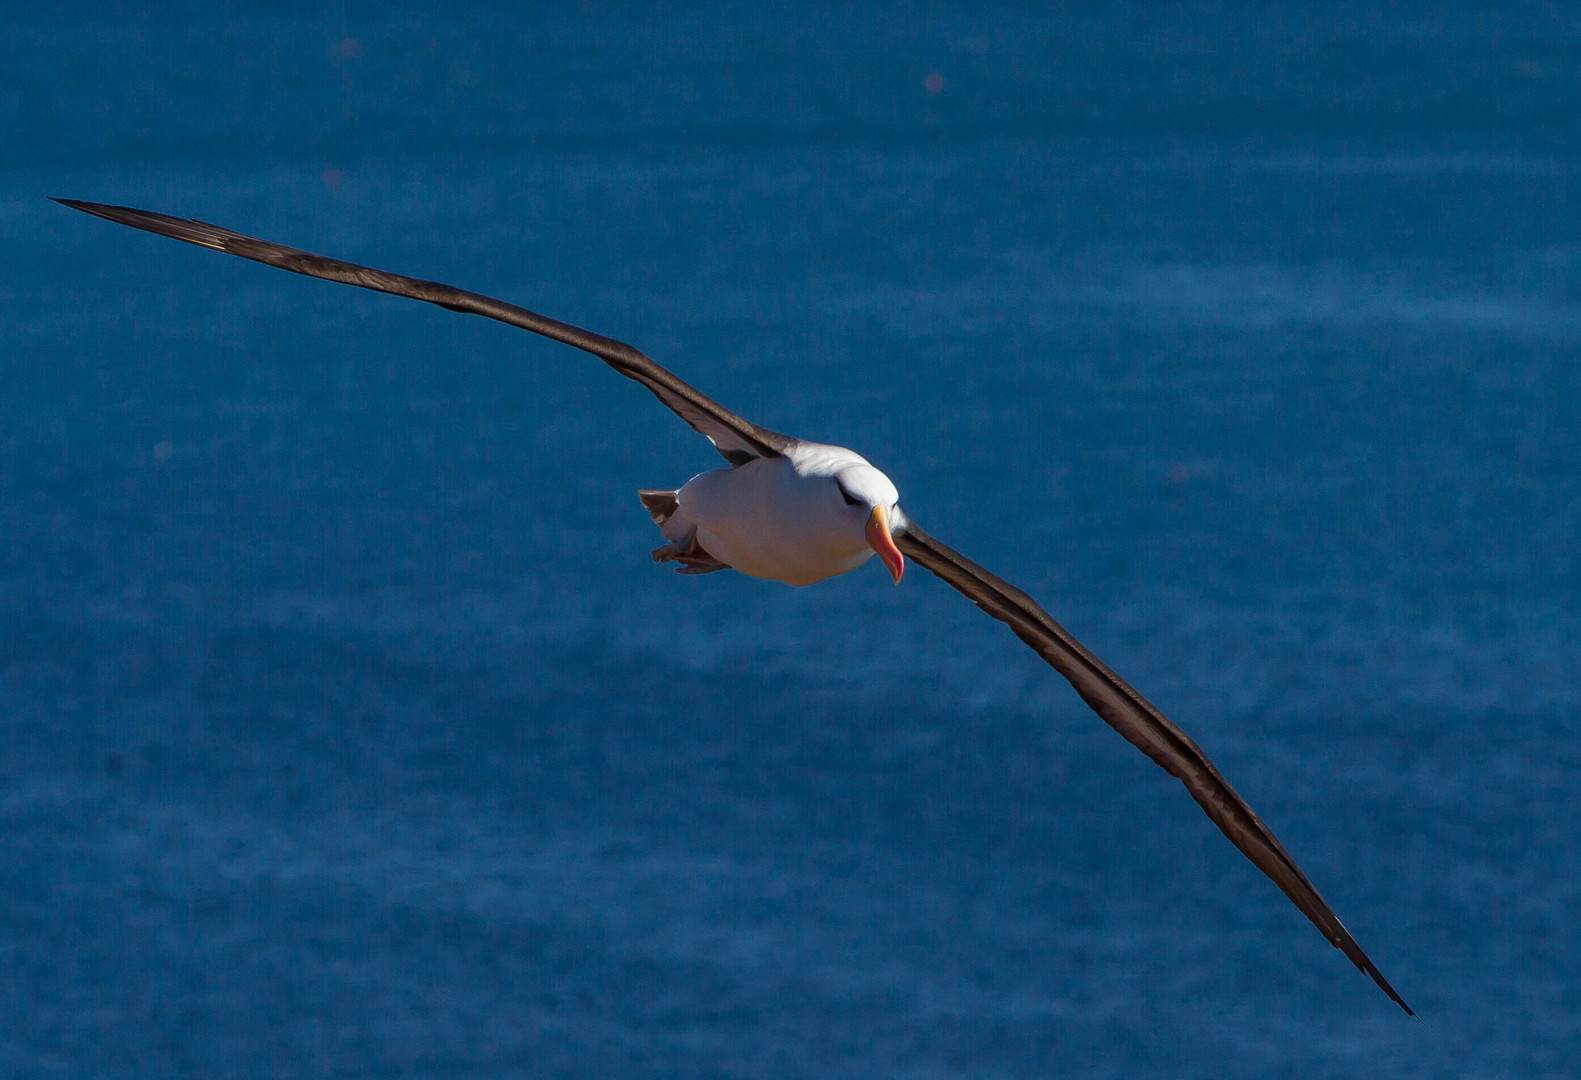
(872, 505)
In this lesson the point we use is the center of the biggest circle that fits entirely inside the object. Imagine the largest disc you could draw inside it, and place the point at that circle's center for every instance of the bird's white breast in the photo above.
(778, 518)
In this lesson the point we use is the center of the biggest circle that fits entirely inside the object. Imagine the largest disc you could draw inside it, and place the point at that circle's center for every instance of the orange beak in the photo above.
(879, 540)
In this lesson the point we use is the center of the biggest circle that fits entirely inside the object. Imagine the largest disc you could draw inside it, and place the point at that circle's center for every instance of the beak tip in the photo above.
(879, 539)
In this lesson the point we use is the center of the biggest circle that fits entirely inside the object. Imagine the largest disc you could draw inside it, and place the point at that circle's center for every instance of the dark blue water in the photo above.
(347, 730)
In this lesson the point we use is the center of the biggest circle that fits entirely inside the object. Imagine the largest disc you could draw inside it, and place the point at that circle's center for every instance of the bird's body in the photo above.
(800, 512)
(798, 517)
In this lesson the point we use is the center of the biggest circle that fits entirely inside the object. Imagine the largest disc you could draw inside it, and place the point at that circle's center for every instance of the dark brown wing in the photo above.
(1144, 727)
(738, 439)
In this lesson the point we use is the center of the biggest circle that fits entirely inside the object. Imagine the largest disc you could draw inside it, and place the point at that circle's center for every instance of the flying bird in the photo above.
(796, 511)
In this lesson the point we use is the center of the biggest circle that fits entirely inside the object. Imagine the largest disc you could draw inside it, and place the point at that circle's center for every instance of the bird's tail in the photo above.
(661, 504)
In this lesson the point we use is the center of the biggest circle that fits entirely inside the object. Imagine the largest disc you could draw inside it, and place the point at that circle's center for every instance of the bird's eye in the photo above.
(850, 500)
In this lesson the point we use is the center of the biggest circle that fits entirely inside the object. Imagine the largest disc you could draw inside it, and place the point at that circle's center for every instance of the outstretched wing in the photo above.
(1129, 713)
(737, 438)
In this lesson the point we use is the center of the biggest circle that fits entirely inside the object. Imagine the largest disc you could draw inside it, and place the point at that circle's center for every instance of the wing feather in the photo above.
(1135, 718)
(735, 437)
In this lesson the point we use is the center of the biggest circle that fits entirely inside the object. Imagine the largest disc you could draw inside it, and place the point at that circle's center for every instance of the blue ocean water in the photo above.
(347, 730)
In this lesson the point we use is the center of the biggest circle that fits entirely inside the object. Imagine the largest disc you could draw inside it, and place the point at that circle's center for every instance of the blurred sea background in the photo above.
(346, 728)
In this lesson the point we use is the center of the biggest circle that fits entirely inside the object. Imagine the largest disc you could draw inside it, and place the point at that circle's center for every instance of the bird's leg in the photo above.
(690, 554)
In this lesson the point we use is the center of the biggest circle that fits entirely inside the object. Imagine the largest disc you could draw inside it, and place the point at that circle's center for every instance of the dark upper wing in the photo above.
(1144, 727)
(738, 439)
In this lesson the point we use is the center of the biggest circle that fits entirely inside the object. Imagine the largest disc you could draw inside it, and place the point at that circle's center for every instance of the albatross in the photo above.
(790, 510)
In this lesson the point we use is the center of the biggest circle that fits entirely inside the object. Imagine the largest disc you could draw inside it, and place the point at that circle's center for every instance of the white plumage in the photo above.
(799, 517)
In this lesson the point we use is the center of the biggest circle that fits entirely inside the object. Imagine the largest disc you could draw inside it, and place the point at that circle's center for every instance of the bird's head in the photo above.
(872, 504)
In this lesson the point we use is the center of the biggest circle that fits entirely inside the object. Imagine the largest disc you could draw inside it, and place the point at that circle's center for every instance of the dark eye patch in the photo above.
(850, 500)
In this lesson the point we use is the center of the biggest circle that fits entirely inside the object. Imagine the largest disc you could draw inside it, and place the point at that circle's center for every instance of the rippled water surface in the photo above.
(346, 728)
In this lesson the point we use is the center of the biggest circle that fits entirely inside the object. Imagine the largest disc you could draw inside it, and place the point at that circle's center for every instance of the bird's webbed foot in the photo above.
(690, 554)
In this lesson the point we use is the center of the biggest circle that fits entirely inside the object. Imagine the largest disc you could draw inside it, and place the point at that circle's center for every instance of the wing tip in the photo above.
(1383, 984)
(189, 230)
(1369, 969)
(121, 214)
